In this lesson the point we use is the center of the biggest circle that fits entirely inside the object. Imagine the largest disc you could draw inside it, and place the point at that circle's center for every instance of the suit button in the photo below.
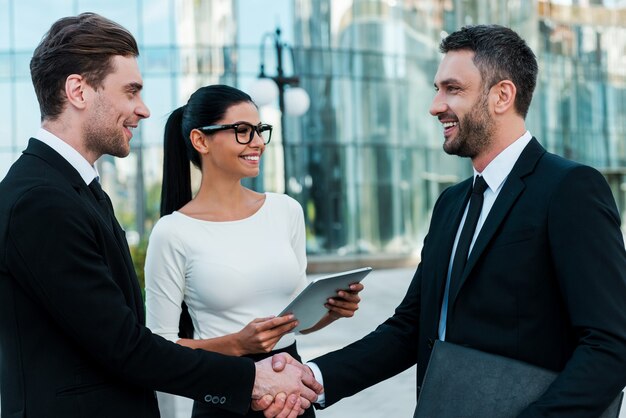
(223, 400)
(215, 400)
(208, 398)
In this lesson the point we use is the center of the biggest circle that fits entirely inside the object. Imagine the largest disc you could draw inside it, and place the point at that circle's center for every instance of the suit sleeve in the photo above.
(56, 252)
(385, 352)
(590, 266)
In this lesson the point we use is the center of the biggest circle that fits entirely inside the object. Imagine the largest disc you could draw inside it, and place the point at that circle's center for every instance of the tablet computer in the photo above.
(308, 307)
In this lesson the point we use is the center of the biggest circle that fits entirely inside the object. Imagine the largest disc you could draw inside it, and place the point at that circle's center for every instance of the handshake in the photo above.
(283, 387)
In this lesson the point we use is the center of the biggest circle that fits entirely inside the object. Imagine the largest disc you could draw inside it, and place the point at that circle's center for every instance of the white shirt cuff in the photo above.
(317, 373)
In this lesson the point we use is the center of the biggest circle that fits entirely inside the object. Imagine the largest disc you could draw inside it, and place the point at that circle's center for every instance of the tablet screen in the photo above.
(308, 306)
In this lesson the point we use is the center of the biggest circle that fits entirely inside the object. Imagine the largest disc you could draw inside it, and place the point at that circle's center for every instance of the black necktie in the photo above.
(467, 233)
(98, 193)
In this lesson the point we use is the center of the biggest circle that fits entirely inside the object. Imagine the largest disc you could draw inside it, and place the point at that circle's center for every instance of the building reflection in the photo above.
(365, 161)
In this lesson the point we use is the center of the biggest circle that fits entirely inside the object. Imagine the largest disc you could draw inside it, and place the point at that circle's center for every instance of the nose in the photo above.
(142, 110)
(438, 105)
(257, 139)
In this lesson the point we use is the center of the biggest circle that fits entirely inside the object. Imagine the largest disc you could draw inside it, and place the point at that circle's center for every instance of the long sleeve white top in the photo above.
(228, 273)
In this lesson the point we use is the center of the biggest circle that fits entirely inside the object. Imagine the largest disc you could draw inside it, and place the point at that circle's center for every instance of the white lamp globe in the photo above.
(296, 101)
(263, 91)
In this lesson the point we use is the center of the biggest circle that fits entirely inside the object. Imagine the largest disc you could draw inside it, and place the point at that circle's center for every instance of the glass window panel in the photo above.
(31, 23)
(6, 124)
(157, 60)
(5, 65)
(124, 12)
(5, 26)
(22, 65)
(158, 18)
(159, 95)
(250, 10)
(27, 113)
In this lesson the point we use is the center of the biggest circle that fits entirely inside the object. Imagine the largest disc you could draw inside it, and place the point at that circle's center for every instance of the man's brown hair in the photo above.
(83, 44)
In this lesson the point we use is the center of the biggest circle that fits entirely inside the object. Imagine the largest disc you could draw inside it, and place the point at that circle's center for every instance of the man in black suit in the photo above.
(545, 278)
(72, 332)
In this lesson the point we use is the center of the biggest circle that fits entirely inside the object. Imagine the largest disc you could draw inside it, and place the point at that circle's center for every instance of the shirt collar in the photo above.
(499, 168)
(76, 160)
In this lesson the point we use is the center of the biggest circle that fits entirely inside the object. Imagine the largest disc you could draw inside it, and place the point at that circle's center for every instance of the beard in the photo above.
(475, 132)
(101, 134)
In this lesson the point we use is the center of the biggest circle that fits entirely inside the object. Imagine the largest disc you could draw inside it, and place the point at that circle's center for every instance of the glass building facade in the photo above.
(365, 161)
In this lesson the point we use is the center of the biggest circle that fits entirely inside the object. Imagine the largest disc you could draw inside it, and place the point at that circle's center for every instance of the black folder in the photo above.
(461, 382)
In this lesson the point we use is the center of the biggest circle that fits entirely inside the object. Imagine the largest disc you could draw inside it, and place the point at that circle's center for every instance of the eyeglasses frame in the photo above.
(254, 129)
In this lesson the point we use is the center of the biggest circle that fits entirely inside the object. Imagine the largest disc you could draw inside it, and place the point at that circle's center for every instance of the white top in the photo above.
(228, 273)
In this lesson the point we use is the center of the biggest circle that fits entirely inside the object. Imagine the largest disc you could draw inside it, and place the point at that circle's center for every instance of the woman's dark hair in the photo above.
(83, 44)
(205, 107)
(500, 54)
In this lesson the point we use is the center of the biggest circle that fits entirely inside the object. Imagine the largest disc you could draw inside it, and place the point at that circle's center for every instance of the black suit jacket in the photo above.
(72, 334)
(545, 283)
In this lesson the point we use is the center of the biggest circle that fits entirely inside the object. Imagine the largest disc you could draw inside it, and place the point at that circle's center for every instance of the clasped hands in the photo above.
(283, 388)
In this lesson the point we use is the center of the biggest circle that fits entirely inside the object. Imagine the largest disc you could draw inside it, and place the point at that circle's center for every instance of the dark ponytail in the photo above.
(176, 186)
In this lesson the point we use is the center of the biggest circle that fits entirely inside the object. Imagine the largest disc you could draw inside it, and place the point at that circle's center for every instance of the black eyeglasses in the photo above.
(244, 131)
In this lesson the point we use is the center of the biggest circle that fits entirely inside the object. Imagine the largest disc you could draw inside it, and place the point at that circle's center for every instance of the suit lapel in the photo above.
(43, 151)
(511, 190)
(120, 237)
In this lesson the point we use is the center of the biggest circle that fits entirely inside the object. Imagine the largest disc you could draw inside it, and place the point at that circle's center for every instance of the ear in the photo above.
(504, 94)
(199, 141)
(75, 91)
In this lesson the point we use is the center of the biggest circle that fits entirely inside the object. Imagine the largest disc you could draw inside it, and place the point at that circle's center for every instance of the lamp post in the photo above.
(292, 100)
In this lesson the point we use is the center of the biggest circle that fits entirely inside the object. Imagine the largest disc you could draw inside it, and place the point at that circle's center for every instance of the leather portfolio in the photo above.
(462, 382)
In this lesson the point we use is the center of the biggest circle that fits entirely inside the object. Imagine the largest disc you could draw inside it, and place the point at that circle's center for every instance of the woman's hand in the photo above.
(262, 334)
(347, 302)
(344, 305)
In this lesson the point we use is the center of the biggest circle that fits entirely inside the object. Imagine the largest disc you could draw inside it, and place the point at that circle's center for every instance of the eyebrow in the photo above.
(448, 81)
(134, 87)
(245, 121)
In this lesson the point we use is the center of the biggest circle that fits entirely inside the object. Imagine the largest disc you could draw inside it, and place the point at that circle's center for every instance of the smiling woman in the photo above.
(220, 265)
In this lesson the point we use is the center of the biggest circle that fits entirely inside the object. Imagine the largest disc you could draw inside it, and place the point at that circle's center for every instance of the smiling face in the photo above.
(461, 105)
(116, 109)
(228, 156)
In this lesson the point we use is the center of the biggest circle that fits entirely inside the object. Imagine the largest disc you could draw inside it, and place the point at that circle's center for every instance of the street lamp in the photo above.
(292, 100)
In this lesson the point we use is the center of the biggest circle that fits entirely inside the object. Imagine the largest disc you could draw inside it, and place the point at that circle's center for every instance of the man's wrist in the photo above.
(317, 373)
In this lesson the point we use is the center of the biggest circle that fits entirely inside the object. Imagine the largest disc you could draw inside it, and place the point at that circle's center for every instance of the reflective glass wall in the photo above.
(365, 161)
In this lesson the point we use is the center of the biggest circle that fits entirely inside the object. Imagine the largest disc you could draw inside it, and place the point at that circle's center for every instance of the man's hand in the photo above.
(292, 379)
(281, 360)
(280, 405)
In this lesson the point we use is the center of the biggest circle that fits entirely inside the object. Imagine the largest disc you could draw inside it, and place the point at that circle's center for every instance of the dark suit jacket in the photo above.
(73, 343)
(545, 283)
